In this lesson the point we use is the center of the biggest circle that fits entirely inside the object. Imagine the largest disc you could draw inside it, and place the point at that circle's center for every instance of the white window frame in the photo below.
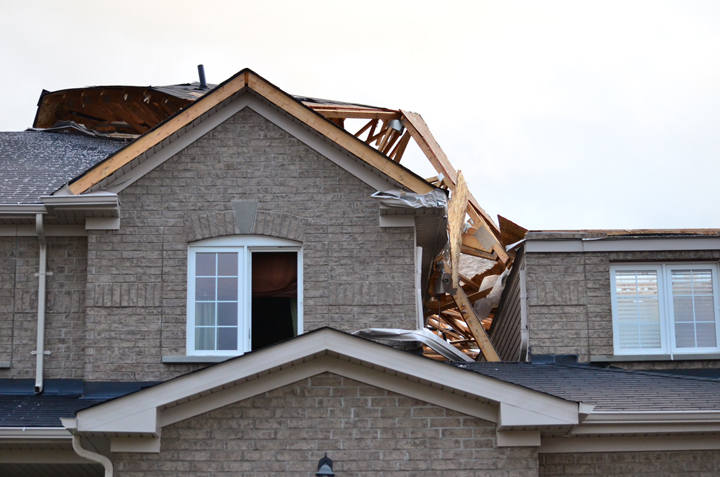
(667, 322)
(245, 245)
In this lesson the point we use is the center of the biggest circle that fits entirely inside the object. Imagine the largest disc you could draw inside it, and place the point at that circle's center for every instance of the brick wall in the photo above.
(569, 302)
(367, 431)
(658, 464)
(65, 306)
(356, 275)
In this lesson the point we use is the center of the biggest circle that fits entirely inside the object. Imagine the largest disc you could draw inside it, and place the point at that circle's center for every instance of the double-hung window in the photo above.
(665, 309)
(244, 293)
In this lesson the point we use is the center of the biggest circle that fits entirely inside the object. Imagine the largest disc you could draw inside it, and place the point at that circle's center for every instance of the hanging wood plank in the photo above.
(476, 327)
(456, 220)
(510, 232)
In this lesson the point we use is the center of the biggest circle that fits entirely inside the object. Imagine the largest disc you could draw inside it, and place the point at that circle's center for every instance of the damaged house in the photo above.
(231, 280)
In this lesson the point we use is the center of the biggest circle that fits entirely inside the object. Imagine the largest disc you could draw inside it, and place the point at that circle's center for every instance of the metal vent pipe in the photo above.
(201, 73)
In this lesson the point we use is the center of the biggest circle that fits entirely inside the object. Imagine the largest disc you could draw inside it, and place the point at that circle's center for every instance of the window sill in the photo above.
(4, 364)
(654, 357)
(195, 359)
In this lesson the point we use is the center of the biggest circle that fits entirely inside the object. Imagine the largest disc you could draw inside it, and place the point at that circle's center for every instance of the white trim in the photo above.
(106, 418)
(518, 438)
(26, 433)
(244, 246)
(326, 363)
(623, 244)
(183, 138)
(665, 307)
(563, 445)
(42, 456)
(387, 221)
(102, 223)
(50, 231)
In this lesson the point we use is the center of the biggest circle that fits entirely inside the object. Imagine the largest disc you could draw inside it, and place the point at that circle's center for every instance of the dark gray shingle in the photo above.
(35, 163)
(608, 389)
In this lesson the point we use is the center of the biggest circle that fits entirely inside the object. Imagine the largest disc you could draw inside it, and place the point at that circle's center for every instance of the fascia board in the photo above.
(143, 421)
(86, 200)
(308, 347)
(22, 209)
(652, 417)
(623, 244)
(513, 417)
(563, 445)
(234, 106)
(29, 433)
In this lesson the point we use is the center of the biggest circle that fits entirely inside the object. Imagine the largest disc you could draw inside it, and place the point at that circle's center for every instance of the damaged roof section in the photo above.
(457, 308)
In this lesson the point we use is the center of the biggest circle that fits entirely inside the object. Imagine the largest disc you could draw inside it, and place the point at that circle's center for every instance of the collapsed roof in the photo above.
(458, 308)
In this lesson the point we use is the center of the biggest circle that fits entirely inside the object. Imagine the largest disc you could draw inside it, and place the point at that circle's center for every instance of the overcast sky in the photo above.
(561, 115)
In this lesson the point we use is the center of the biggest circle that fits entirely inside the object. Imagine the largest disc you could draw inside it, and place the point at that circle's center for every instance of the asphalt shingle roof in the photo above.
(609, 389)
(40, 410)
(33, 163)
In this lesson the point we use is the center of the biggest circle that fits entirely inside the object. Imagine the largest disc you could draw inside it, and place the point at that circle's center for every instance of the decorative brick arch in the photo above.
(244, 220)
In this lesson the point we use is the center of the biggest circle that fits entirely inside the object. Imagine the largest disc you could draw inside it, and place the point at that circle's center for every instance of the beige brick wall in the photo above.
(137, 276)
(657, 464)
(569, 303)
(367, 431)
(65, 312)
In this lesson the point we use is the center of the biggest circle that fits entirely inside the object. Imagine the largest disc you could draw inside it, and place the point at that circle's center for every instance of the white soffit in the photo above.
(133, 171)
(309, 355)
(624, 244)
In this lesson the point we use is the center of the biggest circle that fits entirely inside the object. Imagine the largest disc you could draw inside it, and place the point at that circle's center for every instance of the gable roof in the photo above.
(146, 411)
(35, 164)
(249, 80)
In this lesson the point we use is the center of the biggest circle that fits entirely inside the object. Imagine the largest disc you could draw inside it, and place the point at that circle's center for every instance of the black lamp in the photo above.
(325, 467)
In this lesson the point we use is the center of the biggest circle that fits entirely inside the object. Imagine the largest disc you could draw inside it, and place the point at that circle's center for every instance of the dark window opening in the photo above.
(274, 297)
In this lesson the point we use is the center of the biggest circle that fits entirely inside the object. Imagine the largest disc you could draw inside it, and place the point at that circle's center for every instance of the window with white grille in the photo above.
(665, 308)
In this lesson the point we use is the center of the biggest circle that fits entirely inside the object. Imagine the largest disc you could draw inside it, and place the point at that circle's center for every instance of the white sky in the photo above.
(561, 114)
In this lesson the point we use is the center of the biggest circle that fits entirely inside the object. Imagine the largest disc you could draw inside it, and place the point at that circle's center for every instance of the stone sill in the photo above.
(654, 357)
(4, 364)
(194, 359)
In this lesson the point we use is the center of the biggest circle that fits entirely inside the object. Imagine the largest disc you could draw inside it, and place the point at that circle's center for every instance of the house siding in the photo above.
(356, 274)
(569, 303)
(505, 334)
(65, 306)
(659, 464)
(364, 429)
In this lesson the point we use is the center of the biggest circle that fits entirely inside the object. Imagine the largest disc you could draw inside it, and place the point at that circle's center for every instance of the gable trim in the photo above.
(290, 105)
(137, 168)
(105, 418)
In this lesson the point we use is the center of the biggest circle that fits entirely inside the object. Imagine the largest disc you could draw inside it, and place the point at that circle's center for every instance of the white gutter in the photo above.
(42, 274)
(14, 433)
(93, 456)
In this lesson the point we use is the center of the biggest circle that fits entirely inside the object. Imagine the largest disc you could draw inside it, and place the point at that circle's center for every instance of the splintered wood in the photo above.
(450, 315)
(154, 114)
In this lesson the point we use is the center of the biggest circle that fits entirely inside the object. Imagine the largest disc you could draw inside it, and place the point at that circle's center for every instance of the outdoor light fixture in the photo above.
(325, 467)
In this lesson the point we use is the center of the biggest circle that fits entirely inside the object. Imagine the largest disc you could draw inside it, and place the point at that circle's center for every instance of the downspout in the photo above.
(93, 456)
(42, 274)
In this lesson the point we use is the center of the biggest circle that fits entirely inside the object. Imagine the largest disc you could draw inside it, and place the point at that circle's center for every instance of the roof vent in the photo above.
(201, 73)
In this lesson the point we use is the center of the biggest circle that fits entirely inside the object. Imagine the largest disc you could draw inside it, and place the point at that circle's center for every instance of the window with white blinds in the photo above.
(665, 308)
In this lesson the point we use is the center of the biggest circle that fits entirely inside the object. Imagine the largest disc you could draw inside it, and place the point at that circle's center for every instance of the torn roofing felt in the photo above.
(34, 164)
(608, 389)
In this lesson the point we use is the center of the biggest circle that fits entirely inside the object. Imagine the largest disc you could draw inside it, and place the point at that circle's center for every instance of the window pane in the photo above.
(204, 264)
(227, 314)
(227, 289)
(204, 289)
(227, 338)
(638, 309)
(702, 282)
(205, 338)
(706, 335)
(681, 282)
(704, 308)
(684, 335)
(683, 308)
(228, 264)
(205, 314)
